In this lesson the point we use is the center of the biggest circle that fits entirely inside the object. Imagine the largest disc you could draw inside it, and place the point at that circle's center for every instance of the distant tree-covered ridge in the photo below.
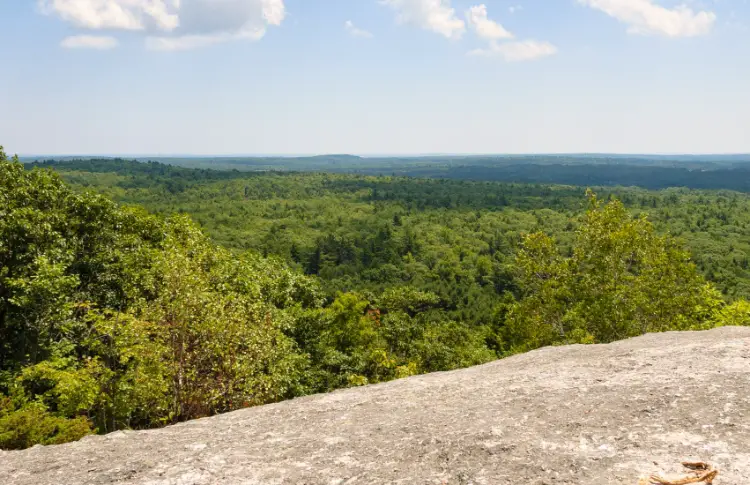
(112, 317)
(731, 172)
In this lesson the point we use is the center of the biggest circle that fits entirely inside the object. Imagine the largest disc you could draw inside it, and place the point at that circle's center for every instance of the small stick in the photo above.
(707, 476)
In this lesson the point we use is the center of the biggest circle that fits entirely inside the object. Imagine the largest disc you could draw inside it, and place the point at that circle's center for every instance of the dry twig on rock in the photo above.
(702, 473)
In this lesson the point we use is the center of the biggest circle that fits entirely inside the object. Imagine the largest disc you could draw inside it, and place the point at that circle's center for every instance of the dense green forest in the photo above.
(355, 230)
(730, 172)
(134, 295)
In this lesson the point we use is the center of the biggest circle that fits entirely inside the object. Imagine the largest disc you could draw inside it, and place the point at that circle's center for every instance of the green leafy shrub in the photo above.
(33, 425)
(621, 280)
(736, 314)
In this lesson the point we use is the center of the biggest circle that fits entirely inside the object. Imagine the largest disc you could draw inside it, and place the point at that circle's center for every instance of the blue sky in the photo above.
(374, 76)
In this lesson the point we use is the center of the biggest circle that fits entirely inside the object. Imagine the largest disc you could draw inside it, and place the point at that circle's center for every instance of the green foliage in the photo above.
(356, 342)
(736, 314)
(653, 172)
(407, 299)
(334, 225)
(112, 318)
(23, 429)
(224, 338)
(33, 425)
(621, 280)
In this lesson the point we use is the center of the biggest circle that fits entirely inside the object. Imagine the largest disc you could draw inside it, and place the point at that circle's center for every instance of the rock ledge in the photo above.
(598, 415)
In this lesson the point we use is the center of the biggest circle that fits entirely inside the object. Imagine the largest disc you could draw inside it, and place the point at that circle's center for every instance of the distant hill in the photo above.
(579, 415)
(709, 172)
(353, 162)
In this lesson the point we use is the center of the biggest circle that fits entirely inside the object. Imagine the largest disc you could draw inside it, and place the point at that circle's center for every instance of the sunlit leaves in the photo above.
(621, 280)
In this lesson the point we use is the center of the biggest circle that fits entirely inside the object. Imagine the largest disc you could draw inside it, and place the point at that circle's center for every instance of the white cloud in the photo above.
(354, 31)
(525, 50)
(483, 26)
(491, 31)
(89, 42)
(187, 42)
(115, 14)
(435, 15)
(174, 24)
(515, 8)
(208, 22)
(645, 17)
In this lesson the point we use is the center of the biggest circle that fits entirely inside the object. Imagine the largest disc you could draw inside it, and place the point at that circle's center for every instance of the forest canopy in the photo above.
(114, 317)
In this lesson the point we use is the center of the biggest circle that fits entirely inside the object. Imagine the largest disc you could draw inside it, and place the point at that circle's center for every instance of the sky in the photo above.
(252, 77)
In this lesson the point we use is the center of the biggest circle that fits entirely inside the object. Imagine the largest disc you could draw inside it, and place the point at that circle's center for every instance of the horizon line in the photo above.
(382, 155)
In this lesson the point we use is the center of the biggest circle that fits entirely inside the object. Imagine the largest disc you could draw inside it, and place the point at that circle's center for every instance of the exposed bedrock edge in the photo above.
(602, 414)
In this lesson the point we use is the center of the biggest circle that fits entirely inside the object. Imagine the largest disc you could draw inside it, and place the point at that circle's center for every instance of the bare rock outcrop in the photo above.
(598, 415)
